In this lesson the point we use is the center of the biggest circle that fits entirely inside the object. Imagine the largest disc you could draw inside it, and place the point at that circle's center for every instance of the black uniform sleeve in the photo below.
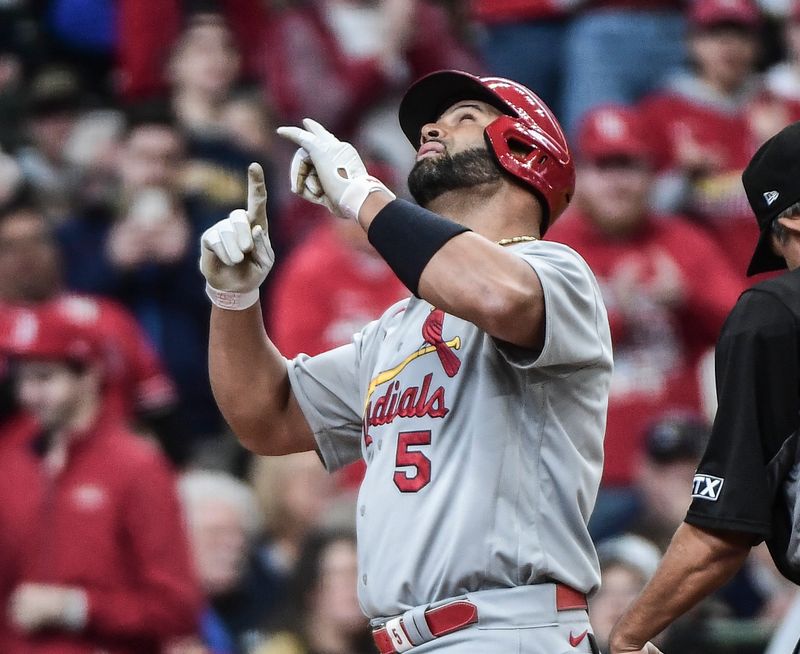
(757, 387)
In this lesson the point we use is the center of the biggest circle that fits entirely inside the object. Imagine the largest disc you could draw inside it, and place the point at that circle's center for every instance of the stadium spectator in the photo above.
(665, 285)
(204, 69)
(617, 51)
(673, 444)
(699, 125)
(97, 557)
(139, 252)
(148, 30)
(136, 387)
(224, 522)
(322, 615)
(53, 104)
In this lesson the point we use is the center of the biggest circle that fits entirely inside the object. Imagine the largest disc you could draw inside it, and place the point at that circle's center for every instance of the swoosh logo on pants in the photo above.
(576, 640)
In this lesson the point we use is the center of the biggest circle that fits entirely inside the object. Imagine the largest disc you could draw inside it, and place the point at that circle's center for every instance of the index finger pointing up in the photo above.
(256, 196)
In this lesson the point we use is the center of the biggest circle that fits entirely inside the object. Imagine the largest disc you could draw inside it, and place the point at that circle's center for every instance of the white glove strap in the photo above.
(231, 300)
(356, 194)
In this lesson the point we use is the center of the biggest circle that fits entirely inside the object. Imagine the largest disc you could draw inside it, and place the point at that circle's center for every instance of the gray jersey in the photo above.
(483, 459)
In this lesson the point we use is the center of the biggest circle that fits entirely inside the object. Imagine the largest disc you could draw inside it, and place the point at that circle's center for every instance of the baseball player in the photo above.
(478, 404)
(746, 487)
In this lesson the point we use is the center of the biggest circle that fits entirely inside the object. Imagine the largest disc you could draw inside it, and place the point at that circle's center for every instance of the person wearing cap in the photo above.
(31, 274)
(745, 489)
(95, 557)
(699, 126)
(53, 104)
(666, 284)
(478, 404)
(673, 444)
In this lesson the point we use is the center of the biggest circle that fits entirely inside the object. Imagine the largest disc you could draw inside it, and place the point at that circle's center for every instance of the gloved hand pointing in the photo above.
(236, 254)
(328, 171)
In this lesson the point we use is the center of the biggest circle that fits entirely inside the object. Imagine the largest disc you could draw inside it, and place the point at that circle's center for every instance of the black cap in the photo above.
(677, 437)
(54, 90)
(772, 183)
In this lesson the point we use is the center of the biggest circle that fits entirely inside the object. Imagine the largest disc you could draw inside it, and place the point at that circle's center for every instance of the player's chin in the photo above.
(427, 163)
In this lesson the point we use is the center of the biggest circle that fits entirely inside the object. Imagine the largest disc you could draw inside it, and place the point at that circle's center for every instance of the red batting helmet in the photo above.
(527, 141)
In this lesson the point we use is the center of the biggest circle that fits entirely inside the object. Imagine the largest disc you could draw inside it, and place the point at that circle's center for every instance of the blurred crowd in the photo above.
(130, 519)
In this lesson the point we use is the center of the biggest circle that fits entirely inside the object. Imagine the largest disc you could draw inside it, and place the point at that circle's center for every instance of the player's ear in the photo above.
(791, 224)
(782, 229)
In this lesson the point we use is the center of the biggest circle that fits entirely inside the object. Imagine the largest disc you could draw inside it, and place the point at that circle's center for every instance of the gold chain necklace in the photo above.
(516, 239)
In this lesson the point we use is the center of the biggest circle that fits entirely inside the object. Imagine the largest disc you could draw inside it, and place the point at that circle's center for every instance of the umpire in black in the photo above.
(746, 489)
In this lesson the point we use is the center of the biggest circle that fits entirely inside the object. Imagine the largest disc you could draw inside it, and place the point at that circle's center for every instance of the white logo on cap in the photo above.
(25, 329)
(771, 196)
(611, 125)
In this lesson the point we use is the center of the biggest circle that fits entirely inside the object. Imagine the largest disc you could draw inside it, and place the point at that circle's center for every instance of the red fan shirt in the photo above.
(108, 522)
(657, 344)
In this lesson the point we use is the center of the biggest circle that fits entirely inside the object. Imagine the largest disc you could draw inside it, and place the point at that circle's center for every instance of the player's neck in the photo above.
(494, 211)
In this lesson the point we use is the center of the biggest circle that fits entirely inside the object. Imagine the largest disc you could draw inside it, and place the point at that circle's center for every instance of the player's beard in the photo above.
(433, 176)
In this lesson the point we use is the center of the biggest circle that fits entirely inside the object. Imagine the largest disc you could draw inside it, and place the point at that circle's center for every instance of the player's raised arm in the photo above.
(492, 169)
(248, 374)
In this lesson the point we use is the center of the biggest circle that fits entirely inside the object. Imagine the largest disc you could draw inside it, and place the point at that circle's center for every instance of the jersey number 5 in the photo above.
(412, 481)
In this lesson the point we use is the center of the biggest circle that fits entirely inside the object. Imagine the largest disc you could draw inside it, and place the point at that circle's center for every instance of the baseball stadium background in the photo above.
(126, 127)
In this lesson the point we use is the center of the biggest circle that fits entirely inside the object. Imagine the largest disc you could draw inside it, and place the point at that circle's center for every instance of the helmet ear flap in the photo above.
(535, 159)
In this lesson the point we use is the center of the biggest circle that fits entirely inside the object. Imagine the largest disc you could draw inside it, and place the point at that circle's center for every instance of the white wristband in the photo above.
(231, 300)
(356, 193)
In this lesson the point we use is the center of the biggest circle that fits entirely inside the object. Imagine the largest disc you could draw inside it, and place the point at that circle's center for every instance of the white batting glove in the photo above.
(36, 606)
(236, 254)
(328, 171)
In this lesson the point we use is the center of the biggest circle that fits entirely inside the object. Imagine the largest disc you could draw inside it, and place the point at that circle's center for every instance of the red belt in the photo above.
(392, 637)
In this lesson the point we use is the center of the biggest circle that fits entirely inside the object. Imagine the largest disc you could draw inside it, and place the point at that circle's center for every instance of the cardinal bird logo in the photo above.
(432, 333)
(434, 342)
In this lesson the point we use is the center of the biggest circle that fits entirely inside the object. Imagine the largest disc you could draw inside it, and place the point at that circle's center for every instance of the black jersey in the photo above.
(749, 477)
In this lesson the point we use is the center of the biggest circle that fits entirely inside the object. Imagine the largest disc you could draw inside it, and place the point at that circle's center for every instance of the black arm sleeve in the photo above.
(407, 236)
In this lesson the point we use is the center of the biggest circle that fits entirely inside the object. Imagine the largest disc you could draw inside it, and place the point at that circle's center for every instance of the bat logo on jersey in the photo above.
(432, 333)
(413, 401)
(707, 487)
